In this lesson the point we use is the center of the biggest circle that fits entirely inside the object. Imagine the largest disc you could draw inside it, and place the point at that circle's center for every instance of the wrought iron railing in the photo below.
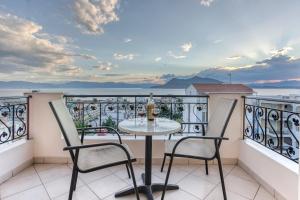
(14, 118)
(109, 110)
(274, 123)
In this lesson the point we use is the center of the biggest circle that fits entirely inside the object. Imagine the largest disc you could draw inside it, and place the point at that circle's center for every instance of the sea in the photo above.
(135, 91)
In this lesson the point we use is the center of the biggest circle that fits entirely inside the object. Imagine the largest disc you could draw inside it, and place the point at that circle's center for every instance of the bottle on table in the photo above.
(150, 108)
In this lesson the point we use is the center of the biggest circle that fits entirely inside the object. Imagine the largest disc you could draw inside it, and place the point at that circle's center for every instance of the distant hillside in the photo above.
(72, 84)
(282, 84)
(177, 83)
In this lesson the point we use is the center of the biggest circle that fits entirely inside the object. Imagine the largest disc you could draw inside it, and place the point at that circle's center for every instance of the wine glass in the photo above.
(156, 112)
(141, 112)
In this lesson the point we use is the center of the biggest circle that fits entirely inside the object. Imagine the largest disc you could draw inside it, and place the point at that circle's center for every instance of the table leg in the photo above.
(148, 160)
(148, 188)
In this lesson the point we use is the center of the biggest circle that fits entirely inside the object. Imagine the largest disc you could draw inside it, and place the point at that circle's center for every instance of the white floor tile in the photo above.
(217, 194)
(54, 173)
(176, 174)
(95, 175)
(262, 194)
(38, 192)
(241, 186)
(239, 172)
(81, 193)
(21, 182)
(107, 186)
(178, 194)
(213, 173)
(60, 186)
(196, 186)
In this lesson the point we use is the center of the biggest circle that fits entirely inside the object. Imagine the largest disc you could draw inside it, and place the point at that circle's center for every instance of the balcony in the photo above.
(257, 165)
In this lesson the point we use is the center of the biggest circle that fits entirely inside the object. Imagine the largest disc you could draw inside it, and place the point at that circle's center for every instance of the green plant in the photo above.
(109, 122)
(80, 124)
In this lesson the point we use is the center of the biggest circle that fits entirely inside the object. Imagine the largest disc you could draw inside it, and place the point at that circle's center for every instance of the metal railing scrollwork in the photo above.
(109, 110)
(274, 123)
(14, 118)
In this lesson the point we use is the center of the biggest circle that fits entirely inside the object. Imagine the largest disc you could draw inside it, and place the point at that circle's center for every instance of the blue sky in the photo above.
(144, 41)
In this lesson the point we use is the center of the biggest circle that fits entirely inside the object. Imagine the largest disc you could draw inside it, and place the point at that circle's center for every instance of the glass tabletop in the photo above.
(141, 126)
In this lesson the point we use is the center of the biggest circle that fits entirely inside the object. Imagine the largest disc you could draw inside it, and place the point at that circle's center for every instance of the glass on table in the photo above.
(141, 112)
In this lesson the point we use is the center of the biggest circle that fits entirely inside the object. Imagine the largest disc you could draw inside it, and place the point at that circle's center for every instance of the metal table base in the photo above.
(147, 188)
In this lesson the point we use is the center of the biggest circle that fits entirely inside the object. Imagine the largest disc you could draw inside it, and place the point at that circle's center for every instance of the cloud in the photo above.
(119, 56)
(104, 66)
(217, 41)
(26, 50)
(206, 3)
(282, 51)
(171, 54)
(91, 15)
(127, 40)
(186, 47)
(235, 57)
(278, 67)
(157, 59)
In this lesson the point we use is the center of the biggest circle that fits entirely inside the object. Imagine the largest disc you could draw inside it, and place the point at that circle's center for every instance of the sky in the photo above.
(149, 41)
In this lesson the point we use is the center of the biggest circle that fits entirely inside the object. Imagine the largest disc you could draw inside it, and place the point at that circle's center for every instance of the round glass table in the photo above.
(143, 127)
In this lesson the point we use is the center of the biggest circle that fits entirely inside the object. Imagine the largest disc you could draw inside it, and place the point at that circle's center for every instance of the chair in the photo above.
(204, 147)
(90, 157)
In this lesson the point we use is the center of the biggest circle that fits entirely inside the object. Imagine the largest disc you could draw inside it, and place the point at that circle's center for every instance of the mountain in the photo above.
(281, 84)
(178, 83)
(72, 84)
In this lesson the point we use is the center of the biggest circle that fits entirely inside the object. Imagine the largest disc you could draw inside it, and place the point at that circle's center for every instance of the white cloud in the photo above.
(171, 54)
(186, 47)
(206, 3)
(235, 57)
(281, 52)
(104, 66)
(91, 16)
(127, 40)
(119, 56)
(157, 59)
(26, 50)
(217, 41)
(277, 67)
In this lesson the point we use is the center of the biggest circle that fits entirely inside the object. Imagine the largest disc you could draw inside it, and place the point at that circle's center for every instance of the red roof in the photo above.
(222, 88)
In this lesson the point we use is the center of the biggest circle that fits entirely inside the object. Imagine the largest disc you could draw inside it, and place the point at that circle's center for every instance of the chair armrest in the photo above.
(91, 128)
(216, 139)
(77, 148)
(206, 137)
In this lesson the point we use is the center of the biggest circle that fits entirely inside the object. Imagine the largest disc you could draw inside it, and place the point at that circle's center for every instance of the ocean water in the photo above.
(138, 91)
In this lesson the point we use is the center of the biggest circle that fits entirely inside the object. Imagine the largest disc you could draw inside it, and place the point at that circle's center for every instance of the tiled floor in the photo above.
(52, 181)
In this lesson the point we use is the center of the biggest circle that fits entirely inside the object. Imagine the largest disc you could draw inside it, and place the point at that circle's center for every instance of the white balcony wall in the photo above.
(14, 157)
(43, 128)
(278, 174)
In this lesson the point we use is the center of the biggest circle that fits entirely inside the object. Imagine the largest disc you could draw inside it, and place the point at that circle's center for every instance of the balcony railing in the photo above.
(274, 123)
(109, 110)
(14, 118)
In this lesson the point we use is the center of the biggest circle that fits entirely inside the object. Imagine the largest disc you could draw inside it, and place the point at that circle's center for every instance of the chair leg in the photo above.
(127, 170)
(206, 167)
(75, 180)
(72, 183)
(134, 181)
(221, 175)
(163, 163)
(167, 178)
